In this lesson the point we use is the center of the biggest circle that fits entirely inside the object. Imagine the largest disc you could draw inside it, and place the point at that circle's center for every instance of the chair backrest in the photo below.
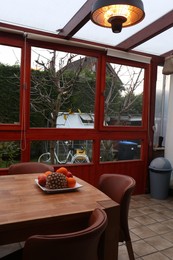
(29, 167)
(79, 245)
(119, 188)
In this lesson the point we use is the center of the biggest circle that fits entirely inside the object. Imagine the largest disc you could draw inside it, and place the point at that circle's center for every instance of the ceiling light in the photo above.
(116, 14)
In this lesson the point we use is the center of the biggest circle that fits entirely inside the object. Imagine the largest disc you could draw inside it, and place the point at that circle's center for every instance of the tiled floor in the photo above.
(7, 249)
(151, 225)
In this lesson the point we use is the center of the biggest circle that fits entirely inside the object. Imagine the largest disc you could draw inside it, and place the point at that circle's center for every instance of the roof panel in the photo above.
(158, 45)
(102, 35)
(42, 15)
(55, 14)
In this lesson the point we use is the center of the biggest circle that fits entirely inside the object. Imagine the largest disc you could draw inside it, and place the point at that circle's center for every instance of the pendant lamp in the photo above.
(116, 14)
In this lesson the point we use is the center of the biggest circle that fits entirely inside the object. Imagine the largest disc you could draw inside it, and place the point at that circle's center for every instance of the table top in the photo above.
(25, 210)
(22, 200)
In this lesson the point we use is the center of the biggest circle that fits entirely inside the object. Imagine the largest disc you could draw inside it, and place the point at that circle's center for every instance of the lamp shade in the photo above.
(116, 14)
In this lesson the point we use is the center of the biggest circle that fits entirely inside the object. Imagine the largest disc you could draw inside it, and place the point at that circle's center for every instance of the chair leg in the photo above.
(130, 250)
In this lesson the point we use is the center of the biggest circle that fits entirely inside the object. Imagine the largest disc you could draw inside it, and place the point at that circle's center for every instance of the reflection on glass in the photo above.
(123, 95)
(60, 82)
(62, 152)
(117, 150)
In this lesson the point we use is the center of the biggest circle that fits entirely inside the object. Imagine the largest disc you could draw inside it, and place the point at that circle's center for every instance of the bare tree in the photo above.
(50, 89)
(123, 91)
(124, 87)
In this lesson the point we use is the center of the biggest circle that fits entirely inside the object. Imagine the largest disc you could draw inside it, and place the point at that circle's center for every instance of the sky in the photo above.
(10, 55)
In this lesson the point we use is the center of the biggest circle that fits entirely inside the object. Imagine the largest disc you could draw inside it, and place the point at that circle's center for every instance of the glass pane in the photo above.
(60, 82)
(10, 61)
(116, 150)
(161, 108)
(9, 153)
(62, 152)
(123, 95)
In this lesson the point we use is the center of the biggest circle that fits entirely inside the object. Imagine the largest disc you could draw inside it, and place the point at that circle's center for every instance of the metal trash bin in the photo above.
(126, 150)
(160, 173)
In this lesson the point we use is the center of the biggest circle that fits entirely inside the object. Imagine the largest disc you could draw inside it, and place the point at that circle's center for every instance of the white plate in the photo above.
(77, 186)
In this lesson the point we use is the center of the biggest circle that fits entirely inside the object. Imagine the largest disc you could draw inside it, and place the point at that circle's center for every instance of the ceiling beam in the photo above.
(162, 24)
(166, 54)
(77, 21)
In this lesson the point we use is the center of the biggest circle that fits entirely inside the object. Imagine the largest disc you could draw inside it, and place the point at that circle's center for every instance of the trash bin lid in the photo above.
(160, 164)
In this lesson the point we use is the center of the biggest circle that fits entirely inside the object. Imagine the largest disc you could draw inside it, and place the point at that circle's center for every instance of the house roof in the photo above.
(71, 21)
(75, 120)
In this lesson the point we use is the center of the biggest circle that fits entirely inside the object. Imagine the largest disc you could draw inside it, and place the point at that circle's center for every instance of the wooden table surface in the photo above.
(26, 210)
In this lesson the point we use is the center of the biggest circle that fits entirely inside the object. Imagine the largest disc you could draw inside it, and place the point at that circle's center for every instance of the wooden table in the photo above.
(26, 210)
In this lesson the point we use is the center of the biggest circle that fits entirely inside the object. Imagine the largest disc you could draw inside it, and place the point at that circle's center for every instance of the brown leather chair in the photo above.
(85, 244)
(29, 167)
(119, 188)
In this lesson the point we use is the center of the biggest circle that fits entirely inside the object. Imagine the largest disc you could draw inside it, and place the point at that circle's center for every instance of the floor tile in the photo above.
(145, 220)
(142, 248)
(134, 237)
(167, 213)
(133, 223)
(168, 252)
(143, 232)
(155, 256)
(147, 210)
(158, 216)
(159, 228)
(159, 242)
(168, 236)
(135, 213)
(7, 249)
(159, 207)
(168, 223)
(122, 253)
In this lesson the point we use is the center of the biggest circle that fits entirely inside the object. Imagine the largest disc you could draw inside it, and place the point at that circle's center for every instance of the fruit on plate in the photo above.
(62, 170)
(56, 180)
(60, 179)
(69, 174)
(42, 179)
(47, 173)
(71, 182)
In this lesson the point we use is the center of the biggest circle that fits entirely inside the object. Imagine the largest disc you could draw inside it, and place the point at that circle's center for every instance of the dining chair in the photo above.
(29, 167)
(120, 188)
(85, 244)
